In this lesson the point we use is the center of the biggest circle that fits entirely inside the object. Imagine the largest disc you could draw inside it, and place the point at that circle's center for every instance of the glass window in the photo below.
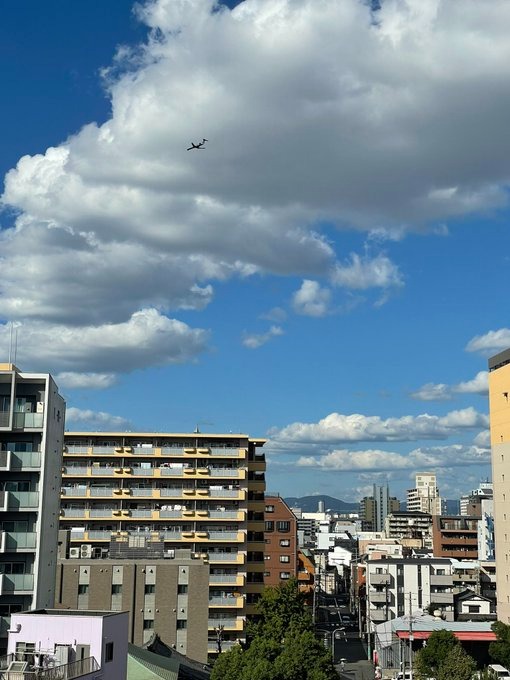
(108, 652)
(182, 589)
(284, 558)
(148, 624)
(285, 542)
(284, 575)
(283, 526)
(149, 588)
(181, 624)
(269, 508)
(269, 526)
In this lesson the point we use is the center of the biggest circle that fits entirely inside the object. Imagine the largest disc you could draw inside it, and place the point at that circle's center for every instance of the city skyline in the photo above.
(326, 273)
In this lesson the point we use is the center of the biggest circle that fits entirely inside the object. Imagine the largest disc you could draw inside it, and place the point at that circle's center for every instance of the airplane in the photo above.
(200, 145)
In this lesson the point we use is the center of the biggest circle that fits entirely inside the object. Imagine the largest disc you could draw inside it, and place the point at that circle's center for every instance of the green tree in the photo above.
(282, 643)
(500, 648)
(457, 665)
(429, 659)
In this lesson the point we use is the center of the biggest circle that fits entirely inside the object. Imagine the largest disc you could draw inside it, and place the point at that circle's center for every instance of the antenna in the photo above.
(10, 343)
(15, 344)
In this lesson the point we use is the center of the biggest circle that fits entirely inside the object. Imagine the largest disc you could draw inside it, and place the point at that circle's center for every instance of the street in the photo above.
(349, 653)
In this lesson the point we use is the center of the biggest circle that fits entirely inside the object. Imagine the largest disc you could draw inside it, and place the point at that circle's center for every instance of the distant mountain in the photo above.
(311, 504)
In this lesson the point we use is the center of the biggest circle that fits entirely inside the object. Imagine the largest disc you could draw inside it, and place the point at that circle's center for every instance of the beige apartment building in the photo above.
(425, 496)
(167, 493)
(499, 413)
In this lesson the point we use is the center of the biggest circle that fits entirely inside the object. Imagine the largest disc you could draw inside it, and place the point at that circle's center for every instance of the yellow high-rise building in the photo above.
(499, 411)
(195, 492)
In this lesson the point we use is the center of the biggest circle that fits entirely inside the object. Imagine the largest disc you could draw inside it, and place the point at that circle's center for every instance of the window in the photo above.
(474, 608)
(108, 652)
(116, 589)
(269, 508)
(150, 588)
(269, 526)
(285, 542)
(284, 575)
(283, 526)
(181, 624)
(83, 589)
(148, 624)
(182, 589)
(284, 558)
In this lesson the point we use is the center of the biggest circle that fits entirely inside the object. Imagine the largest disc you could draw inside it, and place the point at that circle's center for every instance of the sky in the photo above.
(328, 272)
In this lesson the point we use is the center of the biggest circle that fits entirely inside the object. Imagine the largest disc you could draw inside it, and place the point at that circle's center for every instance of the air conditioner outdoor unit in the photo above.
(86, 551)
(74, 553)
(39, 407)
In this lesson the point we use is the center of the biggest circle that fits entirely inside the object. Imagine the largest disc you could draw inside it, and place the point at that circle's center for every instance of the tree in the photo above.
(457, 665)
(281, 644)
(500, 648)
(429, 659)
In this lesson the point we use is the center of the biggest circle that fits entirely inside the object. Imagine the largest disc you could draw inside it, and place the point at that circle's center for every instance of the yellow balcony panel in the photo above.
(126, 513)
(119, 449)
(189, 471)
(202, 513)
(127, 470)
(189, 449)
(228, 624)
(188, 513)
(117, 492)
(118, 470)
(188, 534)
(201, 534)
(127, 492)
(203, 471)
(203, 492)
(188, 492)
(203, 449)
(117, 513)
(128, 449)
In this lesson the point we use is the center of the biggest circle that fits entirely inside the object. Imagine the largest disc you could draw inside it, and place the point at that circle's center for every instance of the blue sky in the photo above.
(328, 273)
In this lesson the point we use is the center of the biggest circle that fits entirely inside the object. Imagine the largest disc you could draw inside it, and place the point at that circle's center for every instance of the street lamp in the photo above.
(333, 638)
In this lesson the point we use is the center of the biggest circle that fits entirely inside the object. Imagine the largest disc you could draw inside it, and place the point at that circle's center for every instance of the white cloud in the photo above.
(254, 341)
(146, 339)
(314, 113)
(490, 343)
(96, 421)
(276, 314)
(362, 273)
(337, 427)
(311, 299)
(98, 381)
(421, 458)
(442, 392)
(483, 439)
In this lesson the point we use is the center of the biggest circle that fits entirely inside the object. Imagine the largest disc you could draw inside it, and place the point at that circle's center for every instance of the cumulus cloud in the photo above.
(337, 427)
(254, 341)
(95, 421)
(147, 338)
(376, 125)
(362, 273)
(490, 343)
(421, 458)
(311, 299)
(442, 392)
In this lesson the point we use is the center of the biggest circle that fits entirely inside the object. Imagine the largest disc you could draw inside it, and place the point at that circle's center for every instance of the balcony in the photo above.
(27, 420)
(17, 541)
(228, 624)
(226, 536)
(169, 471)
(441, 580)
(19, 500)
(232, 557)
(232, 601)
(171, 514)
(74, 512)
(379, 579)
(104, 471)
(75, 470)
(230, 452)
(227, 579)
(141, 471)
(76, 491)
(378, 615)
(225, 472)
(103, 491)
(16, 583)
(378, 597)
(441, 598)
(22, 460)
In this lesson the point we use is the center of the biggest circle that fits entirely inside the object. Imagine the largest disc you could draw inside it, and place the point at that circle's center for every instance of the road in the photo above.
(346, 641)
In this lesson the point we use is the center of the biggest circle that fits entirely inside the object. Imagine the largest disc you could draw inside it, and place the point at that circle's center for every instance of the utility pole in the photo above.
(411, 638)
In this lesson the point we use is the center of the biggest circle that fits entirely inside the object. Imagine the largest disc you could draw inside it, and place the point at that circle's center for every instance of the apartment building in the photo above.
(499, 415)
(281, 547)
(31, 438)
(425, 496)
(397, 587)
(170, 595)
(410, 526)
(455, 537)
(194, 491)
(375, 508)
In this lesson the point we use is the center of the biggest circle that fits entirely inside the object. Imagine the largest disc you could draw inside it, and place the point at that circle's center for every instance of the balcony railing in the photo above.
(75, 491)
(16, 583)
(21, 420)
(18, 540)
(379, 579)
